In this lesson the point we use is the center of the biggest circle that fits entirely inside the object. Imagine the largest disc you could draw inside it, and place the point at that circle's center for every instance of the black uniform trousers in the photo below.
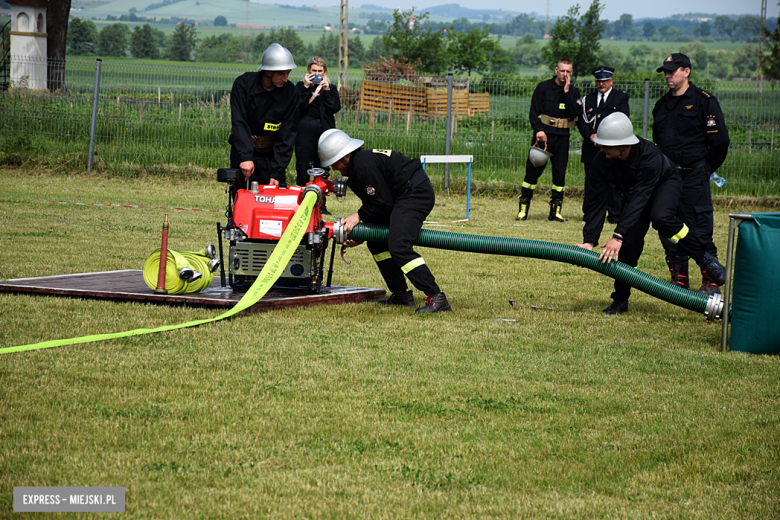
(695, 208)
(261, 158)
(558, 145)
(614, 203)
(306, 140)
(661, 211)
(396, 257)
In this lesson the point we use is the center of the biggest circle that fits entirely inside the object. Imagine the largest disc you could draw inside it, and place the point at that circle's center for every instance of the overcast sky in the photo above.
(613, 8)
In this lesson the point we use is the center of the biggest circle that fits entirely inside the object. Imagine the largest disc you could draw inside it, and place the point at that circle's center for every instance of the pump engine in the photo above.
(258, 217)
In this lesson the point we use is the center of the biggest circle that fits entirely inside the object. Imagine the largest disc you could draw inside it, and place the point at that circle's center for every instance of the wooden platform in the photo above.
(129, 285)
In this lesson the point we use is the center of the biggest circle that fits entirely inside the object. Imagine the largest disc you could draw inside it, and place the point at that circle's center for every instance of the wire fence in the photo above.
(158, 116)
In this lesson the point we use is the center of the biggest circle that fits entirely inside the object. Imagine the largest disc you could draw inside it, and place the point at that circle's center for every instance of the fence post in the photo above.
(449, 132)
(647, 107)
(93, 127)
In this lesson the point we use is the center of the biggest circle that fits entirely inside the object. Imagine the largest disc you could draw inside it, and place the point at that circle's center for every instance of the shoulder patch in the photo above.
(688, 107)
(383, 152)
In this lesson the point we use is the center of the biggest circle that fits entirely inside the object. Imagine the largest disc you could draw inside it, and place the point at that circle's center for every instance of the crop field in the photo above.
(548, 409)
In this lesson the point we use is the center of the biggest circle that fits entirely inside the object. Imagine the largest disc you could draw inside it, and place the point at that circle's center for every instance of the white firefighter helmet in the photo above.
(615, 130)
(539, 156)
(335, 144)
(277, 57)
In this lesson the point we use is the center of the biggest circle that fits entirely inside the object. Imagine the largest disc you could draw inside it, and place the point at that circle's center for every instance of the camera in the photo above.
(316, 79)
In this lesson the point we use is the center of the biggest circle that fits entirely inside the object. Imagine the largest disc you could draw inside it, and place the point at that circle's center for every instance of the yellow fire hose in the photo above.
(173, 284)
(273, 269)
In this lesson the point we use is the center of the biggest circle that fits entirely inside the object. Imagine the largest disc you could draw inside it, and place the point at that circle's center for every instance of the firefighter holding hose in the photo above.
(395, 191)
(263, 110)
(651, 187)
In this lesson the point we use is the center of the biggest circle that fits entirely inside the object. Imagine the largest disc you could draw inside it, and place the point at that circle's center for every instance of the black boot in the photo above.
(525, 204)
(708, 286)
(716, 271)
(436, 303)
(617, 307)
(403, 298)
(555, 211)
(678, 267)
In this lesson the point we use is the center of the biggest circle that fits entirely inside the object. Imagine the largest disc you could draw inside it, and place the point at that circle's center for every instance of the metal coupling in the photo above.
(339, 233)
(340, 187)
(210, 251)
(714, 308)
(254, 187)
(316, 189)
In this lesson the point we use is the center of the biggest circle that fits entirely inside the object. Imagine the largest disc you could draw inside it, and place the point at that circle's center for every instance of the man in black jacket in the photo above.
(595, 107)
(650, 185)
(394, 190)
(555, 105)
(263, 110)
(689, 128)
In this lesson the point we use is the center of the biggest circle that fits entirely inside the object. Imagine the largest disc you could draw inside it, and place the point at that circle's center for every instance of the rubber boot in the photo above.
(555, 211)
(525, 204)
(403, 298)
(708, 286)
(714, 268)
(678, 267)
(435, 303)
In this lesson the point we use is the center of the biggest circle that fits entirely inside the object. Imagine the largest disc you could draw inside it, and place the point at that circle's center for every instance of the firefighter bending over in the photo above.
(651, 188)
(395, 191)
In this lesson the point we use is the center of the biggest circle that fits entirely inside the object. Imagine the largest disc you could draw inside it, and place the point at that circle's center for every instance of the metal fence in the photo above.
(161, 115)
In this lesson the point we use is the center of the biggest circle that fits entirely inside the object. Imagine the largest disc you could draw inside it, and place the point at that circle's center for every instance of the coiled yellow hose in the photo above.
(198, 261)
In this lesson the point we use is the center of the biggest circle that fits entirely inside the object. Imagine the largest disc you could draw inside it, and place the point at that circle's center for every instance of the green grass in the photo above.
(358, 411)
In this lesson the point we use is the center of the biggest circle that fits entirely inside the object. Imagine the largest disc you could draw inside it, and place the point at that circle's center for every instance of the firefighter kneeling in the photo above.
(651, 187)
(395, 191)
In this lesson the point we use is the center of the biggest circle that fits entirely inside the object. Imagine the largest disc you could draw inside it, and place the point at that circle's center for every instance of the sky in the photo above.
(613, 8)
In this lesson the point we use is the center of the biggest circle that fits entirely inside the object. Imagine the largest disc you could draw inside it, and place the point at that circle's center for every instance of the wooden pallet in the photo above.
(380, 96)
(129, 285)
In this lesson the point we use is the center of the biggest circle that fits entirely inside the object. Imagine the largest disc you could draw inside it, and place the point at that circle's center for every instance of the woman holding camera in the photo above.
(319, 100)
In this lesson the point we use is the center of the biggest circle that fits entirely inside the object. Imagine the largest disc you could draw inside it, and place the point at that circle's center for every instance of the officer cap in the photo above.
(674, 62)
(603, 73)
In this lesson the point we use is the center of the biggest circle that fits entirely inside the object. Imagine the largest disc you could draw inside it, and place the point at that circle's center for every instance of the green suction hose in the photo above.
(697, 302)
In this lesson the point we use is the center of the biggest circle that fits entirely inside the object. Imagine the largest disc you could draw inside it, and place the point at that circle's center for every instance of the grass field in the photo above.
(358, 411)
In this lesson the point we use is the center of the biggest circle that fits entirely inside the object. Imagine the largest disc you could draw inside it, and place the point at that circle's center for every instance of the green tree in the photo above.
(220, 21)
(290, 40)
(725, 26)
(648, 30)
(82, 37)
(770, 63)
(526, 52)
(745, 62)
(577, 38)
(220, 49)
(375, 50)
(143, 43)
(704, 29)
(624, 26)
(183, 42)
(327, 48)
(474, 51)
(420, 45)
(112, 40)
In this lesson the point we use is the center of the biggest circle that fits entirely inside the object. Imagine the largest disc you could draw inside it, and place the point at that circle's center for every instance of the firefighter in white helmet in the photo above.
(263, 110)
(651, 188)
(395, 191)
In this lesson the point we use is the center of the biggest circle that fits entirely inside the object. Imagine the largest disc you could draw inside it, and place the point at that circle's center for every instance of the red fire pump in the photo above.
(258, 217)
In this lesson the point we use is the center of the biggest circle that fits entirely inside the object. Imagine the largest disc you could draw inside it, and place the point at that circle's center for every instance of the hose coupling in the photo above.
(340, 187)
(714, 308)
(316, 189)
(339, 233)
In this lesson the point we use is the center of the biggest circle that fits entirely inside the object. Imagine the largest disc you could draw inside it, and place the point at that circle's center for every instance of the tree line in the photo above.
(427, 47)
